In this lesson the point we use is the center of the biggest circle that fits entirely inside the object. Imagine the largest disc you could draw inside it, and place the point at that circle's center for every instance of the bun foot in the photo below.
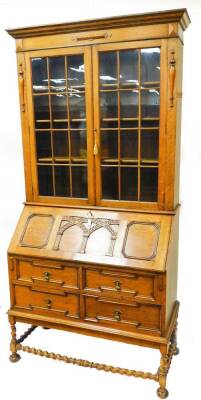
(162, 393)
(14, 357)
(176, 351)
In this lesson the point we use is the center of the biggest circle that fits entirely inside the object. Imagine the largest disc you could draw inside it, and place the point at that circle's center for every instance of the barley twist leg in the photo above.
(14, 357)
(162, 392)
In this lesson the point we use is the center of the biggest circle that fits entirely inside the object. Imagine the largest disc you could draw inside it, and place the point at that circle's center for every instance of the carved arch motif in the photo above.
(93, 225)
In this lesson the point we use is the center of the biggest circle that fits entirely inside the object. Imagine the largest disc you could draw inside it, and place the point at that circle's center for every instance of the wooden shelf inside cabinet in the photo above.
(95, 249)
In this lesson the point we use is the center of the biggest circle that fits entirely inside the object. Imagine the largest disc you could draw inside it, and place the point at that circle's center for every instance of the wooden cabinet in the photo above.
(95, 249)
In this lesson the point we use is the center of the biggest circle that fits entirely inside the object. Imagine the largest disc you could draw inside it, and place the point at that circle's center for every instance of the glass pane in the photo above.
(129, 145)
(57, 74)
(129, 104)
(129, 183)
(43, 146)
(62, 185)
(110, 183)
(149, 145)
(77, 106)
(39, 75)
(150, 124)
(109, 124)
(108, 69)
(149, 184)
(109, 145)
(129, 68)
(150, 66)
(75, 71)
(61, 149)
(129, 124)
(41, 111)
(79, 182)
(108, 104)
(59, 110)
(150, 100)
(45, 181)
(78, 145)
(78, 125)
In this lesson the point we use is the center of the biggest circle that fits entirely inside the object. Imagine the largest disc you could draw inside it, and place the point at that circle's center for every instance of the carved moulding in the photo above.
(151, 236)
(88, 226)
(37, 230)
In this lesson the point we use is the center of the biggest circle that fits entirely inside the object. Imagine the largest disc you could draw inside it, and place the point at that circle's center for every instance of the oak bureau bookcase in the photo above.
(95, 249)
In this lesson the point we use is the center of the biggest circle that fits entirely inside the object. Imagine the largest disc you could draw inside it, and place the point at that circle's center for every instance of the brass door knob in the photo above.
(117, 315)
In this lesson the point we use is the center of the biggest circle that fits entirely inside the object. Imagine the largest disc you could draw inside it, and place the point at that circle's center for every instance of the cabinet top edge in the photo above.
(180, 16)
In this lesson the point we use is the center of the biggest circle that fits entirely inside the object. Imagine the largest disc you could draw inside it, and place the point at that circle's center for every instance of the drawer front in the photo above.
(120, 284)
(130, 317)
(47, 272)
(47, 304)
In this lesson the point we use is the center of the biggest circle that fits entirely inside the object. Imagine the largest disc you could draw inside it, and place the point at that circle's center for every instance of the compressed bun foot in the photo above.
(162, 393)
(176, 351)
(14, 357)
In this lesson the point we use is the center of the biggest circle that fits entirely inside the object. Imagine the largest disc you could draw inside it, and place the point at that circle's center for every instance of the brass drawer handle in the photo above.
(117, 285)
(117, 315)
(48, 303)
(47, 275)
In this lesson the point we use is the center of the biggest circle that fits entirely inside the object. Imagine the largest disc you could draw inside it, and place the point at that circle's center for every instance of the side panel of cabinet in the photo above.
(172, 268)
(137, 124)
(59, 197)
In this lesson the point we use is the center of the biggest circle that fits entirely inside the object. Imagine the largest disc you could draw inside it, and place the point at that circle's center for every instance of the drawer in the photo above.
(119, 284)
(47, 304)
(41, 273)
(125, 316)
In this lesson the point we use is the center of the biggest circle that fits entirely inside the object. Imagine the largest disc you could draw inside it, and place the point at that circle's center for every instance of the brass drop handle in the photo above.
(21, 86)
(117, 315)
(117, 285)
(49, 303)
(47, 276)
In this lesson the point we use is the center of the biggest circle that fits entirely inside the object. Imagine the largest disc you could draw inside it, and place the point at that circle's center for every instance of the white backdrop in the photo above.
(34, 376)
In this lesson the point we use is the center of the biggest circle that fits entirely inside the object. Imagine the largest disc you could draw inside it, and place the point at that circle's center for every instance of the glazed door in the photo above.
(60, 105)
(129, 91)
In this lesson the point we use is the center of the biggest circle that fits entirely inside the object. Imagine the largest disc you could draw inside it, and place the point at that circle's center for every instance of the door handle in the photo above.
(96, 149)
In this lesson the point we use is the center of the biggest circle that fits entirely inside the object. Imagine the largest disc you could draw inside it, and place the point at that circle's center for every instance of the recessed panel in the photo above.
(71, 239)
(37, 230)
(141, 240)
